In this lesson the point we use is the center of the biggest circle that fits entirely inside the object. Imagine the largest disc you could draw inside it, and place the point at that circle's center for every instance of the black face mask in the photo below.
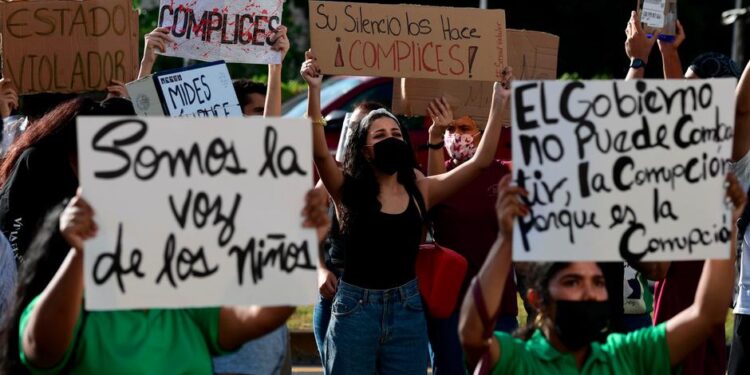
(579, 323)
(390, 155)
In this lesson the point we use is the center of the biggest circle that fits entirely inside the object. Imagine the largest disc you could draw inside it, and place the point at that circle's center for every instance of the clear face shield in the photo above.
(344, 137)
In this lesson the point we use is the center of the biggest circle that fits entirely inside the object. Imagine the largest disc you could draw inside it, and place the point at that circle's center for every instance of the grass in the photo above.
(302, 319)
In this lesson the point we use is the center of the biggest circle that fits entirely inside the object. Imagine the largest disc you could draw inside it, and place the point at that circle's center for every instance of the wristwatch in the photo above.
(637, 63)
(436, 146)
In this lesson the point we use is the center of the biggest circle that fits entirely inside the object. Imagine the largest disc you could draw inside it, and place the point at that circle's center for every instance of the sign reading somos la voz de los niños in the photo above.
(197, 212)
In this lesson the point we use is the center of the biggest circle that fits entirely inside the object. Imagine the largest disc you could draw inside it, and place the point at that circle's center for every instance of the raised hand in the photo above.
(77, 222)
(310, 70)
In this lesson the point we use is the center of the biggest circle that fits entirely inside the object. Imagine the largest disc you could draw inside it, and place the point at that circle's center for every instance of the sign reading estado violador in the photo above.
(618, 170)
(197, 212)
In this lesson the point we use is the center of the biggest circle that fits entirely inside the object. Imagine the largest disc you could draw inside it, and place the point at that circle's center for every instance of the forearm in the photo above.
(742, 117)
(671, 63)
(273, 91)
(635, 74)
(488, 144)
(715, 288)
(492, 278)
(52, 322)
(238, 325)
(435, 157)
(320, 147)
(147, 64)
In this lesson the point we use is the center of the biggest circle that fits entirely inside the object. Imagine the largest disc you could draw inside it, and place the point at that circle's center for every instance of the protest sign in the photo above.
(408, 40)
(236, 31)
(531, 54)
(618, 170)
(200, 90)
(68, 46)
(197, 212)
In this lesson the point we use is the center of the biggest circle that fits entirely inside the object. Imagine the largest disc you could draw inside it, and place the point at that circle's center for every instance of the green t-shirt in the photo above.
(179, 341)
(644, 351)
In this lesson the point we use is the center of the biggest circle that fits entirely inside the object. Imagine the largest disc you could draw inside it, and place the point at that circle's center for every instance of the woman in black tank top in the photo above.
(378, 323)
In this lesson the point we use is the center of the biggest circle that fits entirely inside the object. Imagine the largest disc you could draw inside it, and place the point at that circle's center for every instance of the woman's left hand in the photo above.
(281, 41)
(501, 91)
(316, 212)
(77, 222)
(735, 195)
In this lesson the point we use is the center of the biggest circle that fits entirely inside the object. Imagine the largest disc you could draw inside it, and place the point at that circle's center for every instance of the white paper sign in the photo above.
(197, 212)
(237, 31)
(623, 170)
(199, 91)
(652, 13)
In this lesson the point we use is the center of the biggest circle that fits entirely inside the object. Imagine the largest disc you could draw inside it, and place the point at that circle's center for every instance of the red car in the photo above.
(341, 94)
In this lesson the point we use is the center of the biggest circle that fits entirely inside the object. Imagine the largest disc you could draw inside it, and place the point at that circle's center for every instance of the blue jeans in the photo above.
(321, 318)
(376, 331)
(445, 348)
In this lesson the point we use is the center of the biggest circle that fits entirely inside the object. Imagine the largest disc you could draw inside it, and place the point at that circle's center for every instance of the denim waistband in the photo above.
(400, 293)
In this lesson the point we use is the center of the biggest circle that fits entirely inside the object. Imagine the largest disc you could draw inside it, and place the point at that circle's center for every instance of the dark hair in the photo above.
(715, 65)
(359, 193)
(244, 87)
(538, 276)
(56, 131)
(368, 106)
(42, 261)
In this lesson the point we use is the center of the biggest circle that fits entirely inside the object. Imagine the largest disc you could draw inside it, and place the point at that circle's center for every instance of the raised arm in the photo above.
(670, 56)
(155, 40)
(637, 46)
(238, 325)
(51, 325)
(328, 170)
(439, 187)
(742, 117)
(492, 277)
(709, 309)
(8, 98)
(442, 116)
(273, 89)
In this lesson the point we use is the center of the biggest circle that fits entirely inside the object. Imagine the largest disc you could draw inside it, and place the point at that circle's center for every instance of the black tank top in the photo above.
(383, 253)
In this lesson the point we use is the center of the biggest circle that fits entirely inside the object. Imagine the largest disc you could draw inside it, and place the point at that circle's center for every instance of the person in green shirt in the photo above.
(54, 335)
(569, 335)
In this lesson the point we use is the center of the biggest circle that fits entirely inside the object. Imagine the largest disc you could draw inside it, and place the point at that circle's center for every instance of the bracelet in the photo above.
(317, 121)
(436, 146)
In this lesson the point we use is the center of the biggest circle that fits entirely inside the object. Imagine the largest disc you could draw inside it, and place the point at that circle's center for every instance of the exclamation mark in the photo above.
(339, 55)
(472, 55)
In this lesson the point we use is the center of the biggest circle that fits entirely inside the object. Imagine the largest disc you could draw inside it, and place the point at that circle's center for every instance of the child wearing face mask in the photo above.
(466, 223)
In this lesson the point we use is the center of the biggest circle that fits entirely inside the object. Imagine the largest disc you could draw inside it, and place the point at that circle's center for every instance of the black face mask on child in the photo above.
(579, 323)
(390, 155)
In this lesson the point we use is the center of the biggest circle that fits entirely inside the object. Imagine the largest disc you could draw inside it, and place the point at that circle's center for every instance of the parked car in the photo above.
(341, 94)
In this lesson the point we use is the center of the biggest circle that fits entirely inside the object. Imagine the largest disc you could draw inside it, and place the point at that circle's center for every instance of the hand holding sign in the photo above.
(8, 98)
(310, 70)
(280, 41)
(509, 206)
(156, 41)
(638, 45)
(77, 222)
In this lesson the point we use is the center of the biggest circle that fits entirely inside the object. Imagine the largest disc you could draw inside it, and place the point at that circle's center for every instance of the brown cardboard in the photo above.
(68, 46)
(408, 40)
(532, 55)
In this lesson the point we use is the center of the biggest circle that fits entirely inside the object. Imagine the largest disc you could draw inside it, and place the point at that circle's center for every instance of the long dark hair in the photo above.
(56, 133)
(359, 193)
(538, 276)
(42, 261)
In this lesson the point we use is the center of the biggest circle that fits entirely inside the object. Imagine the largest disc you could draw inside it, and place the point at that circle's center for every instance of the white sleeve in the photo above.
(741, 169)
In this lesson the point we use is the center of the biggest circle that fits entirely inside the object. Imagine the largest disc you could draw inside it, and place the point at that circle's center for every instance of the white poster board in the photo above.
(623, 170)
(197, 212)
(199, 91)
(236, 31)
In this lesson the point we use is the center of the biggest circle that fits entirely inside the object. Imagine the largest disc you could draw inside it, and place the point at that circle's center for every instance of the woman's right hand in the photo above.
(327, 283)
(310, 71)
(77, 222)
(156, 40)
(442, 117)
(509, 205)
(8, 98)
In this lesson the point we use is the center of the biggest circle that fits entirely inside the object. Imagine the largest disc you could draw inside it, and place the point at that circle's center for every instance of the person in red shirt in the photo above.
(466, 223)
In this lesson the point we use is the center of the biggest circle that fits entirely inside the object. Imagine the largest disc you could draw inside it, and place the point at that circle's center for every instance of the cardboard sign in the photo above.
(236, 31)
(408, 40)
(619, 170)
(68, 46)
(201, 91)
(197, 212)
(531, 54)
